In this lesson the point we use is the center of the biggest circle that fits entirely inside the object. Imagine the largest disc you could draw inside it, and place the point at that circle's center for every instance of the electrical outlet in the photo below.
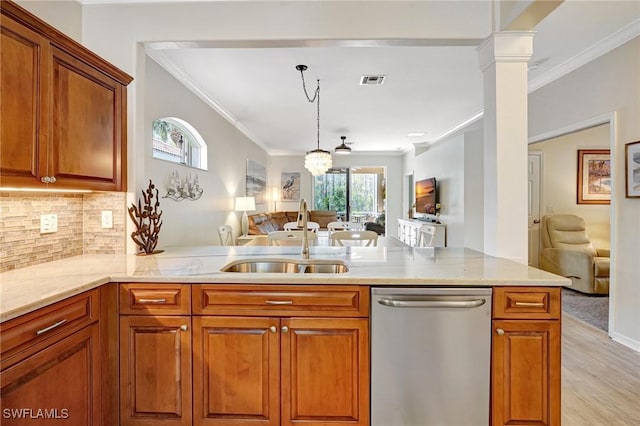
(107, 219)
(48, 223)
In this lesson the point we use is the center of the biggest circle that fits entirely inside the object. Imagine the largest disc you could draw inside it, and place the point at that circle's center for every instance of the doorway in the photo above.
(559, 195)
(534, 171)
(357, 194)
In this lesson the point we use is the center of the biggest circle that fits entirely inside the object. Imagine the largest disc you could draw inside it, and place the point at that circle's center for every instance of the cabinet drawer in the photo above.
(60, 319)
(276, 300)
(526, 303)
(153, 299)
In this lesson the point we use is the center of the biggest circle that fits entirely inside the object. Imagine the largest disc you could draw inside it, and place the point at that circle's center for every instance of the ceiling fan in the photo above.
(343, 148)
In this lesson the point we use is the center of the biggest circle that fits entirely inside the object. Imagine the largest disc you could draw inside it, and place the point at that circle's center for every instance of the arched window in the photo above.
(177, 141)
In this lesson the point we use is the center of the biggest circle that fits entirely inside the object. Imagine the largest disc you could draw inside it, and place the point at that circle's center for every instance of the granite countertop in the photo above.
(27, 289)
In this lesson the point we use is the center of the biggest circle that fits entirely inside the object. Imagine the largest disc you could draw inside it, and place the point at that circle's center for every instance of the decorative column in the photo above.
(504, 58)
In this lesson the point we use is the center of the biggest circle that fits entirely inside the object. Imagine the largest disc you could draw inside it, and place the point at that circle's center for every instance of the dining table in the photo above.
(322, 240)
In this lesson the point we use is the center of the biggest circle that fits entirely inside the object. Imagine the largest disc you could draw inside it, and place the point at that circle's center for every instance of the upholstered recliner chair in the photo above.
(567, 251)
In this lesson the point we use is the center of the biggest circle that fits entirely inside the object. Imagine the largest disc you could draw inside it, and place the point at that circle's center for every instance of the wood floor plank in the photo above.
(600, 378)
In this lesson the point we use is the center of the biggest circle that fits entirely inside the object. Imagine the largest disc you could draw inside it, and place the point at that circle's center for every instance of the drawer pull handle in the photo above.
(152, 300)
(51, 327)
(279, 302)
(534, 304)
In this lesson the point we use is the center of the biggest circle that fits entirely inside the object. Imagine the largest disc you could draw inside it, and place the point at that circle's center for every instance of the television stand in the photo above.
(409, 233)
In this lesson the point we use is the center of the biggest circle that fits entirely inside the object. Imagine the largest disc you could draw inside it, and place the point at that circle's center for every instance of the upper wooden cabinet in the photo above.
(62, 110)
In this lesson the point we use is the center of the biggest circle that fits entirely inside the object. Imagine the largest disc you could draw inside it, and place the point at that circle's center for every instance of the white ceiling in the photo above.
(430, 89)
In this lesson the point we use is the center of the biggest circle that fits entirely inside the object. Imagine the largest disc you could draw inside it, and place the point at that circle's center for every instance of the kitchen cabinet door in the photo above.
(325, 371)
(236, 371)
(526, 372)
(62, 112)
(88, 132)
(59, 384)
(24, 105)
(155, 370)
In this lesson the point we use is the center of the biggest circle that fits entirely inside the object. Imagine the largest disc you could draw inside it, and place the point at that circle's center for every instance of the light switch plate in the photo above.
(48, 223)
(107, 219)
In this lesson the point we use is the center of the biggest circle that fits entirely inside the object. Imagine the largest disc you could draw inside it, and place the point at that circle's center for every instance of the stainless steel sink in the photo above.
(286, 266)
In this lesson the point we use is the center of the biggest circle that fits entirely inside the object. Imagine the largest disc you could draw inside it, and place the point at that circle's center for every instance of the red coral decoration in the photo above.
(147, 221)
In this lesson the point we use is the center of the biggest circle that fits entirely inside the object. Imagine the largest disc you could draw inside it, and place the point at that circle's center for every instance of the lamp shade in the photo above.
(244, 204)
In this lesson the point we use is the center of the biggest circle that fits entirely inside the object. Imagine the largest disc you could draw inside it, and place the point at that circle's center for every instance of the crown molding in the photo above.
(600, 48)
(165, 62)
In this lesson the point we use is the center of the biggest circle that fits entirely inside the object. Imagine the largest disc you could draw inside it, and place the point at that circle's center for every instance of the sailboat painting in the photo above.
(256, 181)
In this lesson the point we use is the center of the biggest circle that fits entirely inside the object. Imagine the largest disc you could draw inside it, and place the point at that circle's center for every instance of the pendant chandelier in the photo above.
(317, 161)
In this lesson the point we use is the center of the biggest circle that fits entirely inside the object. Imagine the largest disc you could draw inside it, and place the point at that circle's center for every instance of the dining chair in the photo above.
(224, 232)
(344, 226)
(354, 238)
(276, 238)
(293, 226)
(426, 236)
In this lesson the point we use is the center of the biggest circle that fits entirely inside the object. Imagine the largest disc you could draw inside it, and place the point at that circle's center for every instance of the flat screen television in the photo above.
(426, 196)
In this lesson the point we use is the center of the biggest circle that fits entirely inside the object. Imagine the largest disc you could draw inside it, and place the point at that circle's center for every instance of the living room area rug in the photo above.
(592, 309)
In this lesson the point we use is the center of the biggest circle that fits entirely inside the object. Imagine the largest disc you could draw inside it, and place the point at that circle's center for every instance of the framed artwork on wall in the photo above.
(632, 169)
(290, 186)
(594, 176)
(256, 181)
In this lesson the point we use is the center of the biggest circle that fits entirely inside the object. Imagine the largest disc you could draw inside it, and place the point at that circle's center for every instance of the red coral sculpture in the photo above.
(147, 221)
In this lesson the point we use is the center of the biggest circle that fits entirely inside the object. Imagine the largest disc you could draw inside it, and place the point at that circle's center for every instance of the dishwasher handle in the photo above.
(430, 302)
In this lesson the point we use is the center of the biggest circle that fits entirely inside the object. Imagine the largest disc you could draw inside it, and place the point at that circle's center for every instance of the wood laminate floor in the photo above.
(600, 378)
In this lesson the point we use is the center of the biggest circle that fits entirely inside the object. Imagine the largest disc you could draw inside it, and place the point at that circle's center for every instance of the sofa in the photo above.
(263, 223)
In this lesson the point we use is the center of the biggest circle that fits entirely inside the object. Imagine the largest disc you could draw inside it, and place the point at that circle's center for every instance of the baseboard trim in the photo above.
(624, 340)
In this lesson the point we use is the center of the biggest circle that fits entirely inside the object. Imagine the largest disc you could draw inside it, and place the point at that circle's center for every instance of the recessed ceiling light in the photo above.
(415, 134)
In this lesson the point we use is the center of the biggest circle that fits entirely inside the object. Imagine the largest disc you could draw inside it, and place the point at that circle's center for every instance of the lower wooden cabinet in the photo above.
(52, 373)
(279, 362)
(280, 371)
(325, 371)
(155, 370)
(236, 370)
(526, 356)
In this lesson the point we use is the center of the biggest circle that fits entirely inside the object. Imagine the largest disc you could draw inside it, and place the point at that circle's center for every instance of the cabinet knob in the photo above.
(52, 179)
(285, 328)
(45, 179)
(500, 331)
(184, 327)
(273, 329)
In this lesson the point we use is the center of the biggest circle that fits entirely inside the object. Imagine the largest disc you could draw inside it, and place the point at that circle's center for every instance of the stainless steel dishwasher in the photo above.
(430, 356)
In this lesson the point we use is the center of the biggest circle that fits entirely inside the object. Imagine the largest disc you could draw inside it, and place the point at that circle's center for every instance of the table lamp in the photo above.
(244, 204)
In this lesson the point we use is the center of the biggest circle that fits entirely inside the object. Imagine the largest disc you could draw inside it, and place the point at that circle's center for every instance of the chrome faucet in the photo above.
(302, 222)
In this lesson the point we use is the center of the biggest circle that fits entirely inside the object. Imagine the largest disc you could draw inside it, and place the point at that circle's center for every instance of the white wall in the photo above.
(559, 182)
(457, 164)
(609, 85)
(64, 15)
(195, 222)
(474, 189)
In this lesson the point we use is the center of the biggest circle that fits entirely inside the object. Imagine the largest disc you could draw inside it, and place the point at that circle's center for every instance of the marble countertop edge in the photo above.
(27, 289)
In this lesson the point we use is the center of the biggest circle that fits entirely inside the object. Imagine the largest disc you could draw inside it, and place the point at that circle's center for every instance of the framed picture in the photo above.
(594, 176)
(632, 169)
(290, 186)
(256, 181)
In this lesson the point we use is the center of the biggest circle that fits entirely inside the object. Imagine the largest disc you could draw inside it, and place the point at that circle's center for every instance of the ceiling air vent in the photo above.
(372, 80)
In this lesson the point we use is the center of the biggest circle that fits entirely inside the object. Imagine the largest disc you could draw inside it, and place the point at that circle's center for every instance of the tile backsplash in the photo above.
(79, 226)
